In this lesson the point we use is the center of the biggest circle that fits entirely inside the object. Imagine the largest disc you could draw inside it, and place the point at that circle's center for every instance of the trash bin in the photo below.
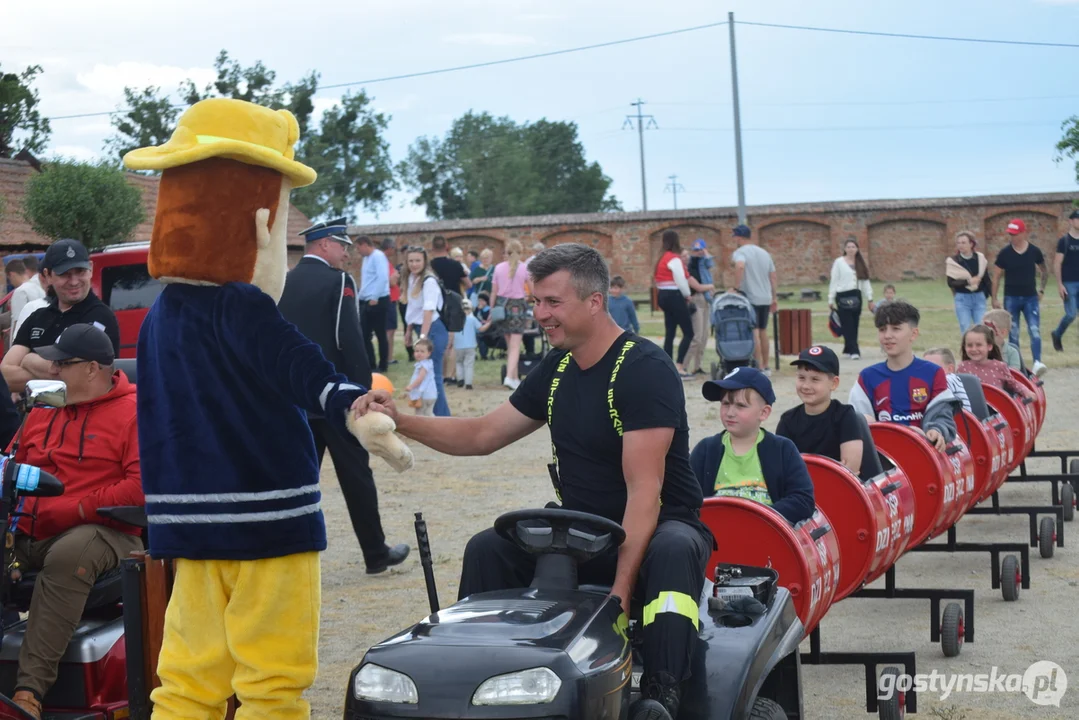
(795, 331)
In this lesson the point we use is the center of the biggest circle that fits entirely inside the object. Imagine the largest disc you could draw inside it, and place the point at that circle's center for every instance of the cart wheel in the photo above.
(503, 379)
(1010, 578)
(952, 630)
(1073, 467)
(894, 707)
(765, 709)
(1067, 499)
(1047, 536)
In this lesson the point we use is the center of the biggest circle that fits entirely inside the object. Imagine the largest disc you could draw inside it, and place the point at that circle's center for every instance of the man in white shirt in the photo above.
(31, 288)
(755, 277)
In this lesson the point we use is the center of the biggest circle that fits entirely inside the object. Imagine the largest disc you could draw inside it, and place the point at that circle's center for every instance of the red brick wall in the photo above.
(899, 238)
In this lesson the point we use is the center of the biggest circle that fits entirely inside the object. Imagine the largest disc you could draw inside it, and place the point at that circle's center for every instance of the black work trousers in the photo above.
(353, 467)
(373, 320)
(675, 315)
(849, 307)
(668, 586)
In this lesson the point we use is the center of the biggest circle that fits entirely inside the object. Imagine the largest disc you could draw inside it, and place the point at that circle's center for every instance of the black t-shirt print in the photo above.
(1068, 246)
(820, 434)
(449, 271)
(44, 326)
(647, 394)
(1019, 270)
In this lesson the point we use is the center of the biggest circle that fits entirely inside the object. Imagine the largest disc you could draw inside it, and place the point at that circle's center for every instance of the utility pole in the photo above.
(673, 187)
(640, 118)
(737, 126)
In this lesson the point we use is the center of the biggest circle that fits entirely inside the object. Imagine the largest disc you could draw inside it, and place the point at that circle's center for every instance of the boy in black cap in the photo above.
(821, 425)
(745, 460)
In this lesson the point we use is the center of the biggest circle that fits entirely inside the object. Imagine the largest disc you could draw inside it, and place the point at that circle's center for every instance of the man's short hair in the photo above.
(897, 313)
(438, 242)
(387, 244)
(30, 261)
(15, 266)
(943, 353)
(474, 254)
(363, 240)
(586, 267)
(618, 281)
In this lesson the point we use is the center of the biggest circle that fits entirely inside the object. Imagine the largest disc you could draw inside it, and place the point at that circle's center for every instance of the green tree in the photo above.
(94, 204)
(149, 119)
(1069, 144)
(352, 159)
(491, 167)
(19, 114)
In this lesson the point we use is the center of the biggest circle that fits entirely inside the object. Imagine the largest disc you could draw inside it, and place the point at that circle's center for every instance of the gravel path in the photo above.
(460, 496)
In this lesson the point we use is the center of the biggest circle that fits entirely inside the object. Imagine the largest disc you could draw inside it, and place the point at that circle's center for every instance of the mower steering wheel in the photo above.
(568, 532)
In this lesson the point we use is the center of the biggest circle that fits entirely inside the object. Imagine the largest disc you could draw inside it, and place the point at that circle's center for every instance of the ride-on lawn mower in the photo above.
(91, 683)
(561, 651)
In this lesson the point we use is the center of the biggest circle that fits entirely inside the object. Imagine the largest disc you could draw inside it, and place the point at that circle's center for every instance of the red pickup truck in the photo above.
(123, 283)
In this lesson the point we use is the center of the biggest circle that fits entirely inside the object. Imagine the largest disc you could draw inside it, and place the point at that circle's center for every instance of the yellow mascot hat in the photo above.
(233, 129)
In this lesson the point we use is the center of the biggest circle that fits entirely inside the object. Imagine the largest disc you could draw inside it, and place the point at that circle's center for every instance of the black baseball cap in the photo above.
(820, 358)
(738, 379)
(64, 255)
(1074, 215)
(742, 231)
(84, 341)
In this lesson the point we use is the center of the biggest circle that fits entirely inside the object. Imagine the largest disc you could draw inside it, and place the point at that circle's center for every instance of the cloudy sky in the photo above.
(826, 116)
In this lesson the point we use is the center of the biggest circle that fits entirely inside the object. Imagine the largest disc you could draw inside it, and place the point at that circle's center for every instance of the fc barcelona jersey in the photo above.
(902, 396)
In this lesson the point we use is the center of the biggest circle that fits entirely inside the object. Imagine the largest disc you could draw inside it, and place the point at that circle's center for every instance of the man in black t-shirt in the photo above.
(1017, 263)
(67, 269)
(1066, 267)
(822, 425)
(626, 458)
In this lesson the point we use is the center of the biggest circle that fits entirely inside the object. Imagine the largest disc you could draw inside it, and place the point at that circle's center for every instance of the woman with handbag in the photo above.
(509, 300)
(968, 280)
(848, 289)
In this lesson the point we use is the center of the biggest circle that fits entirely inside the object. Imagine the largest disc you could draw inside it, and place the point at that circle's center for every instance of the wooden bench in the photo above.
(809, 295)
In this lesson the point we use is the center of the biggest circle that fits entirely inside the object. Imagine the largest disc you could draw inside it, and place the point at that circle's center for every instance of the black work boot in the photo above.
(660, 695)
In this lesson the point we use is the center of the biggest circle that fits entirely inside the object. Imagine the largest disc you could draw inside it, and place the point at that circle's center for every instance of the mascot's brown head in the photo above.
(222, 205)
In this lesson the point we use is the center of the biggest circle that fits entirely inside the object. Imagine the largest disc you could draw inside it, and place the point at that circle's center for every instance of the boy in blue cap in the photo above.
(745, 460)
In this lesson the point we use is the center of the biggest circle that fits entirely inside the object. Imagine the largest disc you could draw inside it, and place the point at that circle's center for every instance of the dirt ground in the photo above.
(460, 496)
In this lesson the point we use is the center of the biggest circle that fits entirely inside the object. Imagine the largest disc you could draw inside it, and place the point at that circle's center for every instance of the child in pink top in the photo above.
(982, 357)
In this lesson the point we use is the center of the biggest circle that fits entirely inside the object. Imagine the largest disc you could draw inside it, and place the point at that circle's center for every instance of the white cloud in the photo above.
(541, 17)
(110, 80)
(74, 152)
(490, 39)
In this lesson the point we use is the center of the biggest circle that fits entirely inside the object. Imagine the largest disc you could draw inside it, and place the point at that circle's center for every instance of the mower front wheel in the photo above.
(765, 709)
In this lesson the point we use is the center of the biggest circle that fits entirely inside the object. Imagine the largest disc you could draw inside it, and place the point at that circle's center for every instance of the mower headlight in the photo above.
(379, 684)
(526, 687)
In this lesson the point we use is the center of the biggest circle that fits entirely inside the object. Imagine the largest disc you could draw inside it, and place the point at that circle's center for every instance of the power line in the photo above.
(855, 128)
(640, 135)
(471, 66)
(828, 103)
(912, 36)
(674, 187)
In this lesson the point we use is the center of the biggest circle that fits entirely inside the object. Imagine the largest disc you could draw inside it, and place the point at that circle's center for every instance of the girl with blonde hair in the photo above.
(509, 291)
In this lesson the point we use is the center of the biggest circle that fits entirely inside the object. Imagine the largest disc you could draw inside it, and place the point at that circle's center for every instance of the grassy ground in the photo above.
(939, 327)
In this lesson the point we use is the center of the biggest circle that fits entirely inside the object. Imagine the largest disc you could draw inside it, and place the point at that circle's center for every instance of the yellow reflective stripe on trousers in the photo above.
(672, 602)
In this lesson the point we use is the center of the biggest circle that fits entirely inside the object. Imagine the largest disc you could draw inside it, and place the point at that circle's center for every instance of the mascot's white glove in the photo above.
(375, 431)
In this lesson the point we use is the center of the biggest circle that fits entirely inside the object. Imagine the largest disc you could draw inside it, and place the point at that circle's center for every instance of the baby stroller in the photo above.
(733, 321)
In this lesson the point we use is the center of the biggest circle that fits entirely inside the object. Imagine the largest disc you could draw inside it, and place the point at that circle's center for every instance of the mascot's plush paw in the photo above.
(375, 431)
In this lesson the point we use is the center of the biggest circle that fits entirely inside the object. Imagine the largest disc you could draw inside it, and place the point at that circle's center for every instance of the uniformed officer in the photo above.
(320, 299)
(620, 437)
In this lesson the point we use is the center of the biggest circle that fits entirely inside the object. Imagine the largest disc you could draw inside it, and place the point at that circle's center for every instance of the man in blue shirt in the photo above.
(374, 299)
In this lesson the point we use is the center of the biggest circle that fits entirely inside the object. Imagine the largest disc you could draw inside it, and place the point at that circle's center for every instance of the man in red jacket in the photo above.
(92, 446)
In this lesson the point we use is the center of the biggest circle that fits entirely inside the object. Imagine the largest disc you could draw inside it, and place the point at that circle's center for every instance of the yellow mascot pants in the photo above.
(248, 627)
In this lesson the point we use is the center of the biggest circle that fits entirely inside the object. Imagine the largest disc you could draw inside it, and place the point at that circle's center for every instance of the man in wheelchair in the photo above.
(92, 446)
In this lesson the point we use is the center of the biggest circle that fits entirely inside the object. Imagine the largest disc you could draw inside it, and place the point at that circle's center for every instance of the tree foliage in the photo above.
(347, 149)
(149, 119)
(92, 203)
(352, 159)
(491, 167)
(21, 124)
(1069, 144)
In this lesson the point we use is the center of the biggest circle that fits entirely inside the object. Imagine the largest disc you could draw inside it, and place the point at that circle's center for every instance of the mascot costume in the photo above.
(229, 466)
